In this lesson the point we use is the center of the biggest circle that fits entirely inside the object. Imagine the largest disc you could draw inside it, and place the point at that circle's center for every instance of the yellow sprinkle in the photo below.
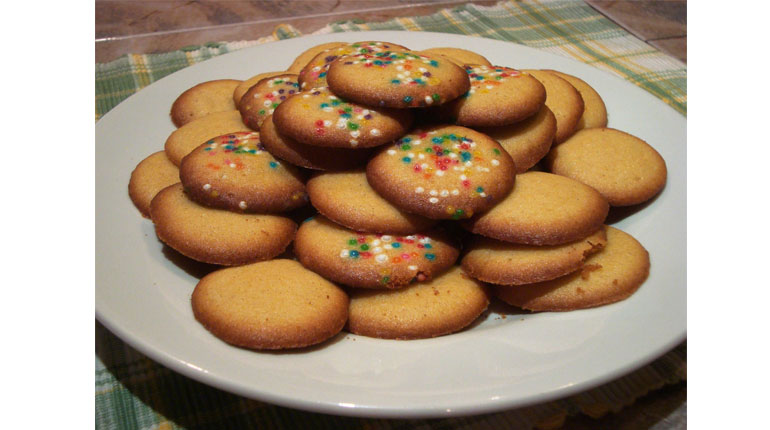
(434, 81)
(450, 210)
(215, 193)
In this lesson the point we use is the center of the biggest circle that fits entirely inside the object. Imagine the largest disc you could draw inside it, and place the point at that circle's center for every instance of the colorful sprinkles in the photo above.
(315, 73)
(278, 90)
(485, 79)
(353, 119)
(409, 250)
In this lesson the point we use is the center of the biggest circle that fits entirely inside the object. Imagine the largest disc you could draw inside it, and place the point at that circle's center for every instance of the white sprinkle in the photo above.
(374, 132)
(316, 68)
(455, 192)
(417, 142)
(419, 190)
(305, 96)
(359, 117)
(365, 112)
(327, 123)
(377, 250)
(207, 187)
(327, 109)
(433, 193)
(376, 242)
(433, 200)
(453, 155)
(267, 103)
(411, 237)
(353, 142)
(421, 156)
(463, 177)
(332, 97)
(344, 253)
(489, 87)
(386, 238)
(412, 267)
(483, 194)
(381, 258)
(495, 163)
(439, 173)
(428, 100)
(423, 69)
(342, 123)
(400, 68)
(425, 240)
(391, 152)
(387, 246)
(242, 205)
(232, 165)
(444, 193)
(355, 133)
(424, 165)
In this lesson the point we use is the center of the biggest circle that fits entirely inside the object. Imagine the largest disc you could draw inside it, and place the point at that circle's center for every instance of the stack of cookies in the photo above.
(413, 186)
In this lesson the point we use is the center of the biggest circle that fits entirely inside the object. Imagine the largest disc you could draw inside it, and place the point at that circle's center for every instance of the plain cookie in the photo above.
(151, 175)
(526, 141)
(595, 112)
(204, 99)
(458, 56)
(564, 101)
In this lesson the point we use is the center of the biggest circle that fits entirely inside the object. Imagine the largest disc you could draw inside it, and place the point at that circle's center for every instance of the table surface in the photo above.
(128, 26)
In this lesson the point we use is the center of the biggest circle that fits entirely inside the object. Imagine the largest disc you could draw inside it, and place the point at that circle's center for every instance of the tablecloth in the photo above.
(134, 392)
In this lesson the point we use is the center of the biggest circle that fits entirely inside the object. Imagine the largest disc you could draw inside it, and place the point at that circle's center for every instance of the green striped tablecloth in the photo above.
(133, 392)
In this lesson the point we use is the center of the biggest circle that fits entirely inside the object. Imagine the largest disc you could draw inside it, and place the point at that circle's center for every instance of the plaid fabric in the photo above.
(134, 392)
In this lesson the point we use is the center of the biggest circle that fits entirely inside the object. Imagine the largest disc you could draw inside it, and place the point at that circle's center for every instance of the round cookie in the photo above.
(445, 305)
(306, 56)
(365, 260)
(234, 172)
(505, 263)
(217, 236)
(443, 172)
(274, 304)
(458, 56)
(315, 72)
(244, 86)
(498, 96)
(397, 79)
(347, 199)
(262, 98)
(309, 156)
(595, 112)
(623, 168)
(564, 101)
(543, 209)
(184, 139)
(318, 117)
(204, 99)
(151, 175)
(528, 141)
(607, 277)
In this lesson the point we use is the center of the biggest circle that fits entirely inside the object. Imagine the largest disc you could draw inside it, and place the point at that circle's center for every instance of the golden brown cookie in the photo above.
(397, 79)
(315, 72)
(318, 117)
(261, 99)
(274, 304)
(310, 156)
(234, 172)
(543, 209)
(244, 86)
(217, 236)
(183, 140)
(204, 99)
(458, 56)
(564, 101)
(506, 263)
(526, 141)
(595, 112)
(347, 199)
(624, 168)
(304, 58)
(372, 260)
(607, 277)
(151, 175)
(442, 172)
(498, 96)
(445, 305)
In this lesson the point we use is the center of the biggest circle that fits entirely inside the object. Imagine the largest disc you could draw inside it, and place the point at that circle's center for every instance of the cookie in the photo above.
(347, 199)
(244, 86)
(445, 305)
(151, 175)
(204, 99)
(397, 79)
(528, 141)
(564, 101)
(318, 117)
(306, 56)
(543, 209)
(234, 172)
(365, 260)
(315, 72)
(274, 304)
(498, 96)
(217, 236)
(184, 139)
(310, 156)
(458, 56)
(609, 276)
(442, 172)
(505, 263)
(594, 112)
(623, 168)
(262, 98)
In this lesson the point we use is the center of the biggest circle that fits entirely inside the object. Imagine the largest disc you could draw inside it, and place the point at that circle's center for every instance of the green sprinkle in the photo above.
(352, 126)
(406, 147)
(352, 242)
(364, 247)
(407, 99)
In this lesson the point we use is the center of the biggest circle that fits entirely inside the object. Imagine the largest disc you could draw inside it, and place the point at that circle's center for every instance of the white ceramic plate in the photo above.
(143, 295)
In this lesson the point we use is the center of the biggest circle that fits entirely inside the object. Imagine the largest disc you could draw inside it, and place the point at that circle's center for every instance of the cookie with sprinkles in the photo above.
(262, 98)
(184, 139)
(347, 199)
(526, 141)
(319, 117)
(397, 79)
(306, 56)
(244, 86)
(315, 71)
(543, 209)
(235, 172)
(458, 56)
(310, 156)
(445, 305)
(217, 236)
(443, 172)
(365, 260)
(498, 96)
(204, 99)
